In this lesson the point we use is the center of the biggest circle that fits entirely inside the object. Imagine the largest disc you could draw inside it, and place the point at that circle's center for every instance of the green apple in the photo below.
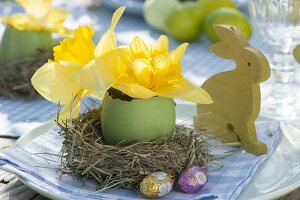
(137, 120)
(16, 44)
(156, 11)
(226, 16)
(185, 23)
(208, 6)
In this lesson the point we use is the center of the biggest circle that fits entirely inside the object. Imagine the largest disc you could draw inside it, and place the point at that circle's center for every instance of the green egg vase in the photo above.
(137, 120)
(16, 44)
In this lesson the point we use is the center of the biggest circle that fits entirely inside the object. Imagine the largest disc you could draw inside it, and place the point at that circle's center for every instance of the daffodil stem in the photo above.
(117, 94)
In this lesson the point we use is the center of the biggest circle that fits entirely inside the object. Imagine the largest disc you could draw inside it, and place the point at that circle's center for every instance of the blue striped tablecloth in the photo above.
(18, 116)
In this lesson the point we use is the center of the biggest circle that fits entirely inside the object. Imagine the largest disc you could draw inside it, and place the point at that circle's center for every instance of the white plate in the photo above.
(278, 176)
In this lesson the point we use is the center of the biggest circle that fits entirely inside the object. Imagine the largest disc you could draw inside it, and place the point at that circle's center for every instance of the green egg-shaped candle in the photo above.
(16, 44)
(137, 120)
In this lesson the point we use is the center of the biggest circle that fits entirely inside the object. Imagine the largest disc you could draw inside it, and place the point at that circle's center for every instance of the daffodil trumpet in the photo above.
(150, 75)
(26, 33)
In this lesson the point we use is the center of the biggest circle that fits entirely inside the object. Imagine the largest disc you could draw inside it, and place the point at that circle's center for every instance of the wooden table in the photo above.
(13, 189)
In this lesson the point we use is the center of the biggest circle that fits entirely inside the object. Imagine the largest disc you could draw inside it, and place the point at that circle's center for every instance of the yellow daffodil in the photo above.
(38, 16)
(53, 79)
(138, 70)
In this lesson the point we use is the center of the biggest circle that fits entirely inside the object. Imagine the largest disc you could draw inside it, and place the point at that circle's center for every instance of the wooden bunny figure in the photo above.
(236, 93)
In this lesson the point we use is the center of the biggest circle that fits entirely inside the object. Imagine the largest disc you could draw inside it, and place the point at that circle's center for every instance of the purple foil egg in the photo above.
(192, 179)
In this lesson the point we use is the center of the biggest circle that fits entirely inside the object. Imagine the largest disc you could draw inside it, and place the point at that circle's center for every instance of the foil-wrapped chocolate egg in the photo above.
(156, 185)
(192, 179)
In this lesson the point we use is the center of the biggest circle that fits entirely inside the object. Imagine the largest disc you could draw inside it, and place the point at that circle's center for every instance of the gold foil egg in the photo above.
(156, 185)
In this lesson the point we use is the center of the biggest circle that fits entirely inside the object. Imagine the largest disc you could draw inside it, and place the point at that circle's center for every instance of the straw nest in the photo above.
(15, 76)
(85, 154)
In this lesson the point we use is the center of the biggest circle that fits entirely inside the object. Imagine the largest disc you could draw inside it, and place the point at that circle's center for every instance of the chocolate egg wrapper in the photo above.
(156, 185)
(192, 179)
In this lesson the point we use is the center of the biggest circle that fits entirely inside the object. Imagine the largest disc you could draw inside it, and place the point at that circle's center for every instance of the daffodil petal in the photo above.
(3, 19)
(139, 69)
(161, 46)
(18, 21)
(142, 71)
(71, 109)
(22, 22)
(99, 74)
(135, 90)
(138, 48)
(163, 63)
(36, 8)
(57, 16)
(72, 65)
(62, 31)
(39, 16)
(177, 54)
(78, 49)
(183, 89)
(165, 70)
(124, 54)
(52, 81)
(108, 41)
(116, 16)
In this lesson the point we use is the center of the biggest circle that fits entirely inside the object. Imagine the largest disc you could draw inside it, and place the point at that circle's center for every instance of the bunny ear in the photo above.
(233, 41)
(221, 49)
(231, 34)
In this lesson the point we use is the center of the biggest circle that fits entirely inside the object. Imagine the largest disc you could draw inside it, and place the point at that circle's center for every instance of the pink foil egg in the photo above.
(192, 179)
